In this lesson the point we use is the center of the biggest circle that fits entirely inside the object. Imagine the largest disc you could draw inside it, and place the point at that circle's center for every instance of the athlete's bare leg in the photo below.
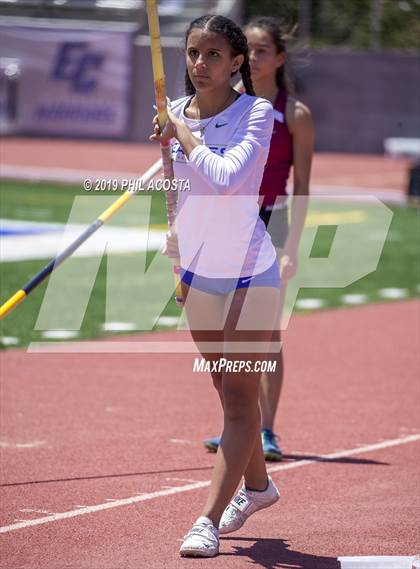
(240, 450)
(272, 382)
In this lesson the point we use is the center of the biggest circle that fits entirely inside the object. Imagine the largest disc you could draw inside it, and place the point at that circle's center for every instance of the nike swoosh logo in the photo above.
(221, 124)
(246, 280)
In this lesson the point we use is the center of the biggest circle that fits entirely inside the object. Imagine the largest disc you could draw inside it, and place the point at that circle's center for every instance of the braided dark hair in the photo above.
(280, 37)
(233, 35)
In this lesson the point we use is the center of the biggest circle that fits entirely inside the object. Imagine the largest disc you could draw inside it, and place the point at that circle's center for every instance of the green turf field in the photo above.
(397, 271)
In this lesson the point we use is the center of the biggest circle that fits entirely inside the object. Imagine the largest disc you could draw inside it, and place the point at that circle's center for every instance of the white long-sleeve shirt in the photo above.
(220, 233)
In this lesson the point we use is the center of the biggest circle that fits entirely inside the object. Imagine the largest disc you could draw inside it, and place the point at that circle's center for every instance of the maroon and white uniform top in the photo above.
(280, 157)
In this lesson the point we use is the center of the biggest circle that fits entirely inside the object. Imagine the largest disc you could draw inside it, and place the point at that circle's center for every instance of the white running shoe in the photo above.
(202, 540)
(245, 503)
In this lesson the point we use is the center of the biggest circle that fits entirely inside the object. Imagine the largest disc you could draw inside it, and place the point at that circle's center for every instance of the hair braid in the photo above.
(245, 71)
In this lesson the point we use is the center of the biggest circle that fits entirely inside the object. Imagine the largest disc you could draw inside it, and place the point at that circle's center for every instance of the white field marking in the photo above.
(30, 510)
(51, 238)
(197, 485)
(354, 298)
(180, 441)
(183, 479)
(309, 303)
(119, 326)
(418, 288)
(393, 292)
(9, 341)
(31, 444)
(59, 334)
(377, 562)
(167, 321)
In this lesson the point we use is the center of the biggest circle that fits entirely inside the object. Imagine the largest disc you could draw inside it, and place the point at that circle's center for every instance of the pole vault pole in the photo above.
(161, 104)
(21, 294)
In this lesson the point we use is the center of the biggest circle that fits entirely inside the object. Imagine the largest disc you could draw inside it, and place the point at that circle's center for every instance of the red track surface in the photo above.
(105, 424)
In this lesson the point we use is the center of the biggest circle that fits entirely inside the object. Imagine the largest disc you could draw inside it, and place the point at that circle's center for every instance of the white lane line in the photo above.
(377, 562)
(183, 479)
(30, 444)
(32, 511)
(197, 485)
(105, 506)
(352, 452)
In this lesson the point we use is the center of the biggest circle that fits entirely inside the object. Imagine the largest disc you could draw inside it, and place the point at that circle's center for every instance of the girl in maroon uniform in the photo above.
(291, 146)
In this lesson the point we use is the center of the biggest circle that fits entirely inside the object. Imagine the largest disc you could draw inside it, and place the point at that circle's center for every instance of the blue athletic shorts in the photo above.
(270, 277)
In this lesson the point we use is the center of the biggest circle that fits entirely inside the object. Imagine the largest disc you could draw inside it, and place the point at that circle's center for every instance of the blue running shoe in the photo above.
(212, 444)
(271, 449)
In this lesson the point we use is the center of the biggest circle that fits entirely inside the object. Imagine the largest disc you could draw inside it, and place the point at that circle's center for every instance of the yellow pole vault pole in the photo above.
(21, 294)
(160, 96)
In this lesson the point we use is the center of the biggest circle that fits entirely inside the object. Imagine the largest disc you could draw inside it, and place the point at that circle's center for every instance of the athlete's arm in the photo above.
(300, 125)
(224, 173)
(227, 173)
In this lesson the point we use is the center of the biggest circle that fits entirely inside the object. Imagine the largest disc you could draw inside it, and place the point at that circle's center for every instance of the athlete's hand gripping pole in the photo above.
(165, 147)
